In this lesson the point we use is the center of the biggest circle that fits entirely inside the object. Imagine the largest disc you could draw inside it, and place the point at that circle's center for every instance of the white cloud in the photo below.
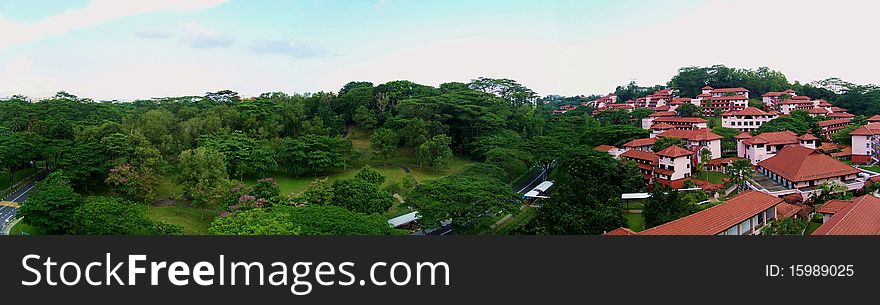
(197, 36)
(95, 13)
(289, 47)
(18, 77)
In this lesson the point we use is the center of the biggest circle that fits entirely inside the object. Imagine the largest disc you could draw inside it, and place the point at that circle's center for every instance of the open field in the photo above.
(635, 221)
(195, 221)
(24, 229)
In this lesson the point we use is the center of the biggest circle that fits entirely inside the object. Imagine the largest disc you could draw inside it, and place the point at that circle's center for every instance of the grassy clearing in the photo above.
(812, 226)
(195, 221)
(525, 216)
(873, 168)
(24, 229)
(713, 177)
(635, 221)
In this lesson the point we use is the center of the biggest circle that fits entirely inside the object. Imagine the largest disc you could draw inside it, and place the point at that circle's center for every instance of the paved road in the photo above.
(7, 214)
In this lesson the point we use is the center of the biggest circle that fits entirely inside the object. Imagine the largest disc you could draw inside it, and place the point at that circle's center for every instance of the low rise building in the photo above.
(674, 166)
(645, 160)
(801, 168)
(763, 146)
(866, 144)
(829, 127)
(748, 119)
(698, 140)
(743, 214)
(646, 144)
(861, 217)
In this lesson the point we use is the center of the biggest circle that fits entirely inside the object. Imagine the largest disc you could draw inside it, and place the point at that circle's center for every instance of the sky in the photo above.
(125, 50)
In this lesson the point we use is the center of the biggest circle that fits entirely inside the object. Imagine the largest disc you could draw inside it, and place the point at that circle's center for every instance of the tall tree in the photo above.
(51, 205)
(383, 142)
(465, 201)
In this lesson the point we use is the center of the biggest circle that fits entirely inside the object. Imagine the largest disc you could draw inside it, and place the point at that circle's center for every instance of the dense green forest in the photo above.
(343, 162)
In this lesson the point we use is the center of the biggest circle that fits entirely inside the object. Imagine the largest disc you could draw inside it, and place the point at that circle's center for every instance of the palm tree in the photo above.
(740, 171)
(705, 155)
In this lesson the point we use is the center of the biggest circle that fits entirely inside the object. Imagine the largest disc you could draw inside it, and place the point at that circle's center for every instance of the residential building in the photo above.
(720, 165)
(613, 151)
(798, 167)
(697, 140)
(645, 160)
(771, 99)
(724, 103)
(687, 123)
(743, 214)
(796, 103)
(646, 144)
(763, 146)
(648, 121)
(674, 166)
(874, 119)
(866, 144)
(726, 91)
(829, 127)
(747, 119)
(861, 217)
(832, 207)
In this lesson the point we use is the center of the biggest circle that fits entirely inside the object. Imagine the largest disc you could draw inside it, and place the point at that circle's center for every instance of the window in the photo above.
(732, 231)
(745, 227)
(760, 218)
(771, 213)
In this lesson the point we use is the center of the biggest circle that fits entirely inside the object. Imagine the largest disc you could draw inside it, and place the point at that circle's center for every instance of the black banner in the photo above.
(500, 270)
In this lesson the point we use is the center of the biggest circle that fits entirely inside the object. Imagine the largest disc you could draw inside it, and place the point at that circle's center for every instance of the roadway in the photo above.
(522, 189)
(7, 213)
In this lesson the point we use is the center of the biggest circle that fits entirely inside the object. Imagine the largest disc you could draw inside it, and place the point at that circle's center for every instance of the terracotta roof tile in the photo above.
(726, 90)
(773, 138)
(640, 142)
(719, 218)
(867, 130)
(604, 148)
(786, 210)
(686, 120)
(798, 163)
(729, 98)
(833, 206)
(747, 111)
(862, 217)
(621, 231)
(641, 155)
(833, 122)
(663, 114)
(674, 152)
(702, 134)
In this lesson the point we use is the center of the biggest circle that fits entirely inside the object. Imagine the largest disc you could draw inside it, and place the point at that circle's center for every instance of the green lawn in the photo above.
(635, 221)
(635, 204)
(812, 226)
(873, 168)
(713, 177)
(195, 221)
(24, 229)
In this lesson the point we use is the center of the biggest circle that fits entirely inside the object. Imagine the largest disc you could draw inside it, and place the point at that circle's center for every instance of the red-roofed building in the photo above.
(614, 151)
(646, 144)
(874, 119)
(831, 126)
(814, 112)
(862, 217)
(771, 99)
(687, 123)
(724, 103)
(743, 214)
(798, 167)
(720, 164)
(645, 160)
(841, 115)
(747, 119)
(866, 143)
(648, 121)
(832, 207)
(727, 91)
(766, 145)
(697, 140)
(674, 166)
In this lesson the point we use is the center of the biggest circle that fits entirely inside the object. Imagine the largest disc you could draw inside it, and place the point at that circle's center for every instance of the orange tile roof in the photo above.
(744, 135)
(867, 130)
(798, 163)
(841, 115)
(786, 210)
(719, 218)
(662, 108)
(726, 90)
(874, 118)
(721, 161)
(773, 138)
(688, 120)
(833, 206)
(621, 232)
(862, 217)
(640, 142)
(833, 122)
(728, 98)
(641, 155)
(604, 148)
(674, 152)
(663, 114)
(818, 111)
(747, 111)
(662, 126)
(702, 134)
(808, 137)
(801, 98)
